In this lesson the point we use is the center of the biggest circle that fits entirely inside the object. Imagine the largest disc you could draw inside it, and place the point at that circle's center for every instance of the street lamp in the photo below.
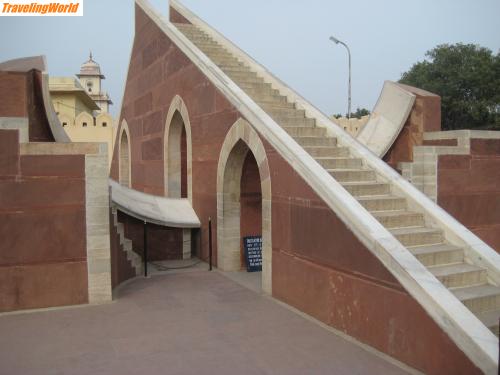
(336, 41)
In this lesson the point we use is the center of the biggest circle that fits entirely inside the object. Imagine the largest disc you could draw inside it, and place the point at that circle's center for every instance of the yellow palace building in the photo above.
(82, 107)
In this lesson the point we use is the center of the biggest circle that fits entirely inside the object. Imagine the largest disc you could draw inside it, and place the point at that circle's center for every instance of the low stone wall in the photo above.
(425, 116)
(43, 257)
(55, 247)
(459, 171)
(352, 125)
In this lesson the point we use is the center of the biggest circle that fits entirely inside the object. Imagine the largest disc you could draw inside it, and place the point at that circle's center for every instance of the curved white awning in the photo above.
(170, 212)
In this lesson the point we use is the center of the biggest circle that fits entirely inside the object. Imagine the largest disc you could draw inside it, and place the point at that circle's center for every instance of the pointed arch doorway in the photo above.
(243, 200)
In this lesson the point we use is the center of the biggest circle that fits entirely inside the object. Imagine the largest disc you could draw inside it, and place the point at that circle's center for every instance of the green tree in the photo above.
(360, 112)
(467, 77)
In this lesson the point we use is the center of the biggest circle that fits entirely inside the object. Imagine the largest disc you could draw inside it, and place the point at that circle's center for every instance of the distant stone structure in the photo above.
(352, 125)
(82, 107)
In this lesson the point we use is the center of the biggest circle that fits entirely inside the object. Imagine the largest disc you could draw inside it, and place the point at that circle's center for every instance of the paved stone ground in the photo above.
(181, 323)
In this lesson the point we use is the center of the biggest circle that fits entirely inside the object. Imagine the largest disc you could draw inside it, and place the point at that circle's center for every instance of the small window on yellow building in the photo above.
(84, 124)
(104, 124)
(64, 124)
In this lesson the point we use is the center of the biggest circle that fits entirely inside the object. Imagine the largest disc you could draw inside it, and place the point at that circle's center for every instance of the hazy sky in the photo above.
(289, 37)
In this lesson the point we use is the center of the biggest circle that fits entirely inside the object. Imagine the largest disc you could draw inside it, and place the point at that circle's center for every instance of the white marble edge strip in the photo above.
(462, 326)
(464, 133)
(16, 123)
(55, 125)
(97, 226)
(117, 118)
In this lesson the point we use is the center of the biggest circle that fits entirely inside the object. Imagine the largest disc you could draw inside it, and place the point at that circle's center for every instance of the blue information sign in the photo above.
(253, 253)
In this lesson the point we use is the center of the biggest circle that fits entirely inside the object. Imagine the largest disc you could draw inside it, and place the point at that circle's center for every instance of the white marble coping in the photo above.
(16, 123)
(170, 212)
(387, 118)
(54, 148)
(480, 345)
(466, 133)
(55, 125)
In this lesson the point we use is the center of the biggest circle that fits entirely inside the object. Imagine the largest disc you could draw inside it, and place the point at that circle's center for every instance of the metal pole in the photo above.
(210, 244)
(145, 249)
(349, 53)
(336, 41)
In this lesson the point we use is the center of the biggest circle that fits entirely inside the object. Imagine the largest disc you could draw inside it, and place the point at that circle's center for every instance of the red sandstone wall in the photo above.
(13, 93)
(164, 243)
(469, 189)
(318, 264)
(425, 116)
(175, 17)
(21, 95)
(42, 227)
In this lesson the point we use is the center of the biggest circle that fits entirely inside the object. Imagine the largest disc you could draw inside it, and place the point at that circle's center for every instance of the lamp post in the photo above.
(336, 41)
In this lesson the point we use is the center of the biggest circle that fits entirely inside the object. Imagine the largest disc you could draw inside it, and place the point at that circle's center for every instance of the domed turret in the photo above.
(90, 78)
(90, 68)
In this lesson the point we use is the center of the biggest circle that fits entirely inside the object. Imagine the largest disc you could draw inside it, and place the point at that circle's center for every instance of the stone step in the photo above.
(208, 45)
(383, 203)
(255, 85)
(245, 79)
(195, 33)
(340, 163)
(295, 121)
(185, 26)
(127, 244)
(459, 275)
(297, 131)
(262, 91)
(348, 175)
(233, 67)
(433, 255)
(212, 47)
(415, 236)
(221, 54)
(479, 298)
(202, 40)
(316, 151)
(274, 99)
(398, 219)
(490, 319)
(242, 76)
(284, 112)
(360, 189)
(230, 64)
(272, 102)
(198, 37)
(316, 141)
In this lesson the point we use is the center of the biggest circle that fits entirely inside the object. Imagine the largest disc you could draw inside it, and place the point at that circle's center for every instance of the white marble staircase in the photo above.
(469, 282)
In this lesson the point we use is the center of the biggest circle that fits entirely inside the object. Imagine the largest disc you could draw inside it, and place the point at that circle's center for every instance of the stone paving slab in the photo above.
(182, 323)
